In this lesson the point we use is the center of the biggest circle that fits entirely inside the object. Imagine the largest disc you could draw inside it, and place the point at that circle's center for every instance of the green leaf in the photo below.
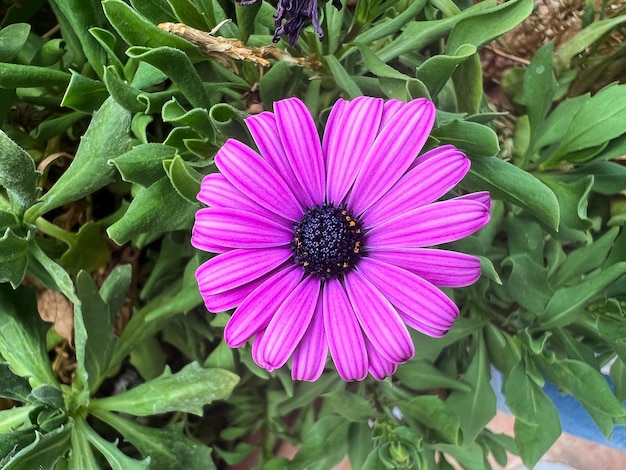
(28, 76)
(613, 331)
(155, 11)
(43, 452)
(349, 405)
(436, 414)
(583, 39)
(478, 406)
(126, 95)
(188, 390)
(437, 70)
(13, 418)
(81, 455)
(11, 386)
(537, 425)
(509, 183)
(420, 374)
(324, 442)
(188, 13)
(60, 277)
(12, 40)
(184, 178)
(359, 444)
(23, 335)
(569, 302)
(597, 122)
(585, 259)
(392, 25)
(13, 258)
(93, 335)
(137, 30)
(246, 18)
(17, 174)
(471, 137)
(539, 89)
(481, 29)
(143, 164)
(166, 447)
(82, 16)
(156, 209)
(468, 85)
(342, 78)
(115, 457)
(585, 383)
(48, 395)
(177, 66)
(105, 139)
(88, 250)
(528, 282)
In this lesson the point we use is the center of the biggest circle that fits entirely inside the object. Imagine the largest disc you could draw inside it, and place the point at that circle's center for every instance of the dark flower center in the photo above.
(327, 241)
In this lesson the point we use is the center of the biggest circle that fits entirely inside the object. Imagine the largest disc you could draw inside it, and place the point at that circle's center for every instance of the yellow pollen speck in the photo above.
(352, 223)
(305, 264)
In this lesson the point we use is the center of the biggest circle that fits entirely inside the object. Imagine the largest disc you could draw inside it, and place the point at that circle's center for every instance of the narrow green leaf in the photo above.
(177, 66)
(437, 70)
(62, 280)
(143, 164)
(436, 414)
(509, 183)
(422, 375)
(188, 13)
(188, 390)
(81, 455)
(349, 405)
(17, 174)
(324, 442)
(156, 209)
(341, 76)
(13, 418)
(166, 447)
(106, 138)
(246, 19)
(28, 76)
(43, 452)
(569, 302)
(11, 386)
(392, 25)
(23, 335)
(539, 88)
(93, 336)
(468, 85)
(481, 29)
(478, 406)
(13, 258)
(114, 456)
(12, 40)
(471, 137)
(155, 11)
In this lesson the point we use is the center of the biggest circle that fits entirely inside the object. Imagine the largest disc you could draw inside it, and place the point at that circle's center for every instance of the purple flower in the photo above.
(326, 246)
(293, 15)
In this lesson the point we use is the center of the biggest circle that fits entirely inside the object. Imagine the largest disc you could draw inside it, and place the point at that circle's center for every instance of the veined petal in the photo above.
(333, 123)
(483, 197)
(231, 298)
(289, 323)
(234, 228)
(442, 268)
(264, 131)
(258, 308)
(347, 142)
(302, 147)
(310, 355)
(238, 267)
(420, 326)
(411, 294)
(254, 176)
(345, 337)
(216, 191)
(379, 367)
(391, 154)
(256, 352)
(436, 223)
(390, 108)
(422, 185)
(378, 319)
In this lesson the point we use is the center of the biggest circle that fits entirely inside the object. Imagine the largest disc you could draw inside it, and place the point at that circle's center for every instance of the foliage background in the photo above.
(109, 123)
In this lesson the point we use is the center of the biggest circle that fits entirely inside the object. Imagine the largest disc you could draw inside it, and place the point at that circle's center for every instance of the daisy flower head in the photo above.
(327, 246)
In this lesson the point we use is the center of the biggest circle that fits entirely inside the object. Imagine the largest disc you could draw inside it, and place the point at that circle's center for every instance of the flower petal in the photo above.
(390, 108)
(436, 223)
(258, 308)
(395, 148)
(483, 197)
(310, 355)
(346, 141)
(378, 319)
(414, 296)
(255, 177)
(231, 298)
(238, 267)
(379, 367)
(256, 352)
(442, 268)
(345, 337)
(289, 323)
(264, 131)
(216, 191)
(234, 228)
(302, 146)
(422, 185)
